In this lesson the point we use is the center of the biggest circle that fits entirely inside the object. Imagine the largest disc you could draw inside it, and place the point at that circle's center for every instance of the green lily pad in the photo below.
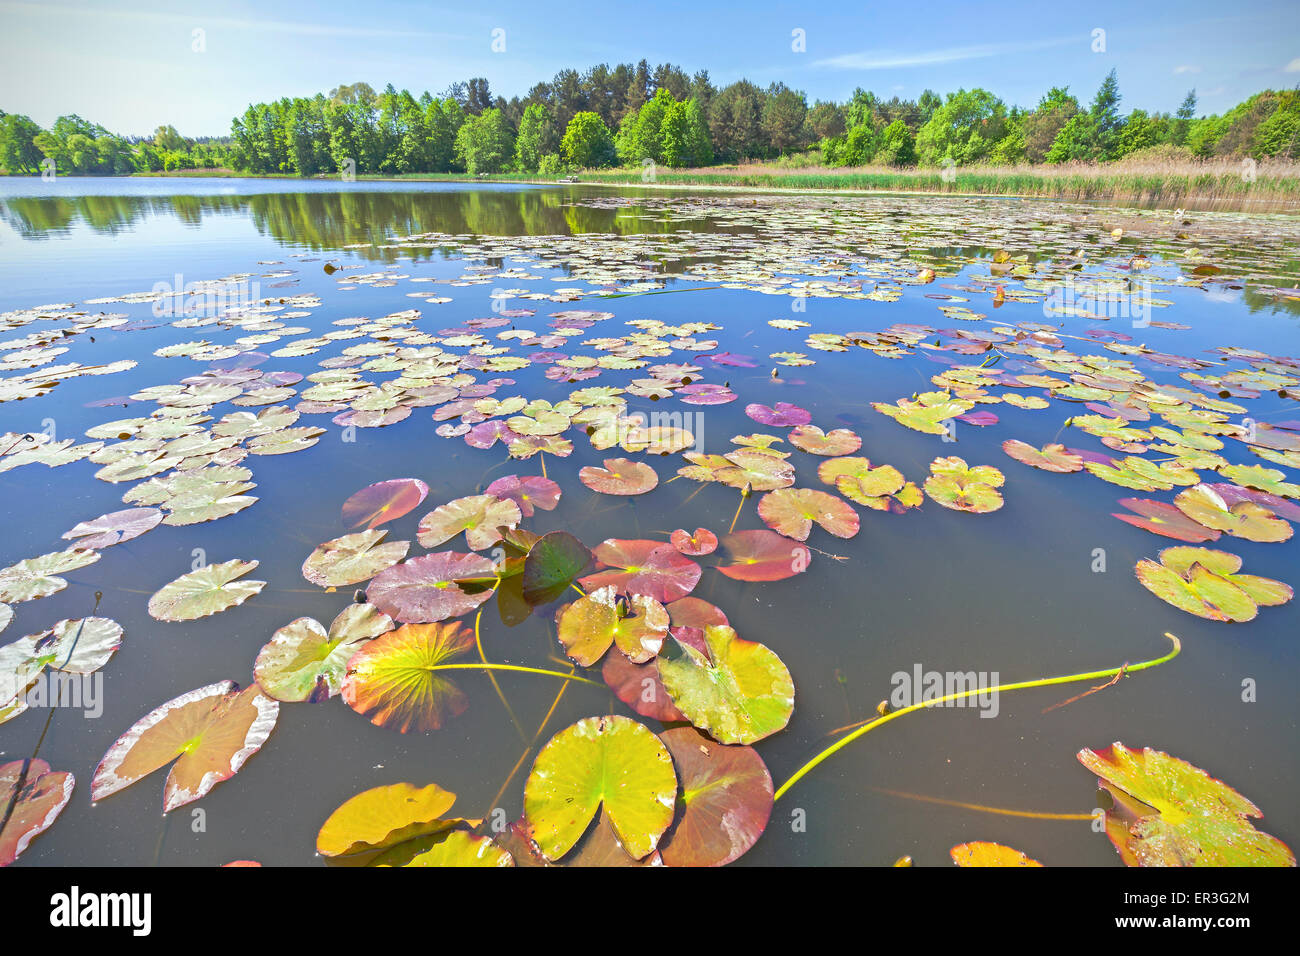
(383, 817)
(481, 517)
(1271, 480)
(1182, 815)
(588, 626)
(553, 563)
(955, 485)
(1204, 582)
(609, 761)
(450, 848)
(205, 592)
(1244, 519)
(34, 578)
(739, 691)
(303, 662)
(393, 681)
(353, 558)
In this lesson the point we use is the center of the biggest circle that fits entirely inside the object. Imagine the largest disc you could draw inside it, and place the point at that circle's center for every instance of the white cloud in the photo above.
(1179, 70)
(890, 60)
(1293, 66)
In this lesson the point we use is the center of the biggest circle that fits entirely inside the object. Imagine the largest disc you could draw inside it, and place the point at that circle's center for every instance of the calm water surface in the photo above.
(1013, 593)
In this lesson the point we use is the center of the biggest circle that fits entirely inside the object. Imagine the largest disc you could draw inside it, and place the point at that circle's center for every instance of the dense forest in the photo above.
(630, 115)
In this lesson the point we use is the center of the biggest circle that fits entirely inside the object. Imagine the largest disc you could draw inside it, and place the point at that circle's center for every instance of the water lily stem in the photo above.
(1023, 685)
(519, 668)
(478, 642)
(1029, 814)
(737, 516)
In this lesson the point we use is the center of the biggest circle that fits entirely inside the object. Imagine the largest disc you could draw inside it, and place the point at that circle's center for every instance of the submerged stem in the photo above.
(1022, 685)
(478, 642)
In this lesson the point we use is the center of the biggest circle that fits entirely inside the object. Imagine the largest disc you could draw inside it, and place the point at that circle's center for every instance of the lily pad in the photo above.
(620, 476)
(1182, 815)
(702, 542)
(457, 848)
(763, 555)
(1244, 519)
(423, 590)
(393, 680)
(739, 691)
(209, 732)
(34, 578)
(989, 854)
(955, 485)
(33, 796)
(726, 795)
(1204, 582)
(384, 501)
(481, 517)
(1162, 518)
(353, 558)
(778, 416)
(304, 662)
(588, 626)
(528, 492)
(810, 438)
(609, 761)
(1053, 457)
(644, 567)
(114, 528)
(793, 511)
(553, 563)
(207, 591)
(382, 817)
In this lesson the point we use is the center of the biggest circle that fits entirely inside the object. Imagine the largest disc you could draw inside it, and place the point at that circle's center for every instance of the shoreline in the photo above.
(1155, 193)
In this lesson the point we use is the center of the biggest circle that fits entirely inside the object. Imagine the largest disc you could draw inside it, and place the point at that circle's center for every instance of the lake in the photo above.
(494, 291)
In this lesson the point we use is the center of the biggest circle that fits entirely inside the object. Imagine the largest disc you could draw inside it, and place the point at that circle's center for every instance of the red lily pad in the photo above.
(639, 686)
(644, 567)
(727, 795)
(793, 511)
(763, 555)
(384, 501)
(702, 542)
(33, 797)
(393, 679)
(423, 590)
(528, 492)
(839, 441)
(1162, 518)
(779, 416)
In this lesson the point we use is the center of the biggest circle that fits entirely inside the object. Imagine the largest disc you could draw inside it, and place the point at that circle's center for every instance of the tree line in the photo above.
(631, 114)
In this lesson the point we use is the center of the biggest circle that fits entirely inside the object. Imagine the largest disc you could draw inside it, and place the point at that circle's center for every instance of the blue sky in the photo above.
(131, 64)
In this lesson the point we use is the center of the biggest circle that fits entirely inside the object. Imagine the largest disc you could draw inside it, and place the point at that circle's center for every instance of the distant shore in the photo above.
(1268, 188)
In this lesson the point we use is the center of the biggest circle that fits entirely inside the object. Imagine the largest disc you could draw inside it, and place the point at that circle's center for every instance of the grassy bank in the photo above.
(1222, 185)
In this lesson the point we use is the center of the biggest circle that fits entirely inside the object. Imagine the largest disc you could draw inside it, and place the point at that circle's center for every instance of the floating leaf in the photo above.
(209, 732)
(727, 796)
(528, 493)
(1244, 519)
(780, 416)
(1162, 518)
(423, 590)
(114, 528)
(207, 591)
(392, 679)
(552, 565)
(1270, 480)
(481, 517)
(763, 555)
(1182, 816)
(610, 761)
(702, 542)
(1204, 582)
(384, 501)
(813, 440)
(587, 627)
(32, 796)
(451, 848)
(989, 854)
(955, 485)
(793, 511)
(644, 567)
(303, 662)
(34, 578)
(1054, 457)
(620, 476)
(383, 817)
(639, 686)
(739, 691)
(352, 558)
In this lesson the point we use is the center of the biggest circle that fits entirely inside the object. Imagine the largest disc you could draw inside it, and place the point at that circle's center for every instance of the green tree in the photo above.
(485, 143)
(964, 129)
(529, 147)
(1076, 142)
(735, 122)
(897, 145)
(784, 113)
(18, 150)
(587, 142)
(685, 136)
(1183, 119)
(1106, 119)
